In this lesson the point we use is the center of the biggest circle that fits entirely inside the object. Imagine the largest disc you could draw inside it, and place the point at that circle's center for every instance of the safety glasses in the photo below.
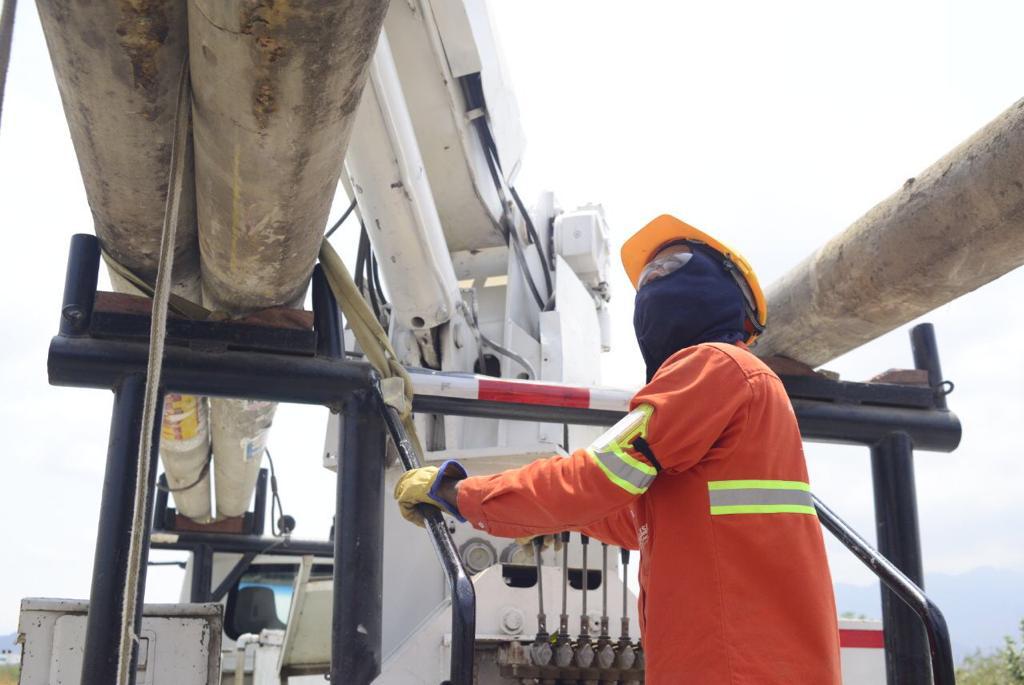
(670, 259)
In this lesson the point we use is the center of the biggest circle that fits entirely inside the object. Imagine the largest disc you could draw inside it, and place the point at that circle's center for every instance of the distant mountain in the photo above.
(980, 606)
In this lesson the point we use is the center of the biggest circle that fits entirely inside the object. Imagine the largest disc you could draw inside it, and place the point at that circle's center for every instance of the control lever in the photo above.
(540, 650)
(584, 648)
(626, 655)
(605, 650)
(563, 645)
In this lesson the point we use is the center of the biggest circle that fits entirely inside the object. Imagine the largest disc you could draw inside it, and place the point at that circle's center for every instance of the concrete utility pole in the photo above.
(955, 227)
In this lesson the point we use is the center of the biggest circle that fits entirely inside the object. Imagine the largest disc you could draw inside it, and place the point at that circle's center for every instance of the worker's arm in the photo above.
(674, 421)
(617, 529)
(546, 496)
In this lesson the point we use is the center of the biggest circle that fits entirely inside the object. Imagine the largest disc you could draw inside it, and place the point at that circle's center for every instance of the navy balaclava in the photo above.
(699, 302)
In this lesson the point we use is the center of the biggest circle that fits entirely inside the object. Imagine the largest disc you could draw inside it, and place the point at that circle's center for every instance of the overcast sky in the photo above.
(772, 125)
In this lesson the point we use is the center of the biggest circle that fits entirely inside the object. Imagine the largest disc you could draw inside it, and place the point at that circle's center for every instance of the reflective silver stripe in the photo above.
(756, 496)
(614, 464)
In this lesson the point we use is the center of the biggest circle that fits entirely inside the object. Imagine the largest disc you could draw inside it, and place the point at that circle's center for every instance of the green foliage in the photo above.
(983, 669)
(853, 615)
(1002, 667)
(1015, 658)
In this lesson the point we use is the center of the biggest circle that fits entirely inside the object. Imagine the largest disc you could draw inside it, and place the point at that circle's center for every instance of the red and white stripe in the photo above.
(851, 638)
(488, 389)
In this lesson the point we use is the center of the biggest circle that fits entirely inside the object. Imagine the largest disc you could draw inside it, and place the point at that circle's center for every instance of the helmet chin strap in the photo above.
(730, 267)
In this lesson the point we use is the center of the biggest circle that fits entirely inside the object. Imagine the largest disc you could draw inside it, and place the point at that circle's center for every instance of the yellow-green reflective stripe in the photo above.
(723, 498)
(763, 509)
(759, 484)
(635, 463)
(626, 430)
(620, 473)
(760, 497)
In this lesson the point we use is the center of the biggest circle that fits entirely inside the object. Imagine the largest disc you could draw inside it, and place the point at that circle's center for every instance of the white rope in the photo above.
(157, 331)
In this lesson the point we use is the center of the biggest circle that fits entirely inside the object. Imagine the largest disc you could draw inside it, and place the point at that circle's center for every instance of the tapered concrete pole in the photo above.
(275, 86)
(117, 66)
(955, 227)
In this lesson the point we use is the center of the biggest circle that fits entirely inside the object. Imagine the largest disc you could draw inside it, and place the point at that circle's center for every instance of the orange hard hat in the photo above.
(666, 229)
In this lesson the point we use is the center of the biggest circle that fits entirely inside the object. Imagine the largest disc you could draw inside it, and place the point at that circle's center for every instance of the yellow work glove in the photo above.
(422, 486)
(548, 541)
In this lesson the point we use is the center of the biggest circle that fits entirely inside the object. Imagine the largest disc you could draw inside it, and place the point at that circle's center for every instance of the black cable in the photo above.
(287, 523)
(360, 260)
(512, 238)
(339, 222)
(197, 481)
(472, 89)
(363, 274)
(179, 564)
(370, 289)
(532, 232)
(491, 152)
(521, 259)
(480, 124)
(372, 278)
(376, 279)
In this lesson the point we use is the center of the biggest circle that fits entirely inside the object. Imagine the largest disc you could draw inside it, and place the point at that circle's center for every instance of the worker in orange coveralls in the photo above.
(705, 476)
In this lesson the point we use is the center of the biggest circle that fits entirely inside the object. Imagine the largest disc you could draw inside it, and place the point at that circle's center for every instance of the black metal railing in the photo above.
(940, 647)
(102, 348)
(462, 593)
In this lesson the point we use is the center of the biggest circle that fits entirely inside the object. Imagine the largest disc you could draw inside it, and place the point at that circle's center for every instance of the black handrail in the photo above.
(943, 672)
(463, 593)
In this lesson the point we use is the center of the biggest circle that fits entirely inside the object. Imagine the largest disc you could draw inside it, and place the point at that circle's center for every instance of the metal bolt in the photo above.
(74, 315)
(512, 621)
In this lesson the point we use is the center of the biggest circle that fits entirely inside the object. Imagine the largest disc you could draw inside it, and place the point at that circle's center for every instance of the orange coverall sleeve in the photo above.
(549, 496)
(695, 396)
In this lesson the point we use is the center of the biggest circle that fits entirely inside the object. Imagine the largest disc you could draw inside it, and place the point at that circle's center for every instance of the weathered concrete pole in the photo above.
(275, 87)
(953, 228)
(117, 66)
